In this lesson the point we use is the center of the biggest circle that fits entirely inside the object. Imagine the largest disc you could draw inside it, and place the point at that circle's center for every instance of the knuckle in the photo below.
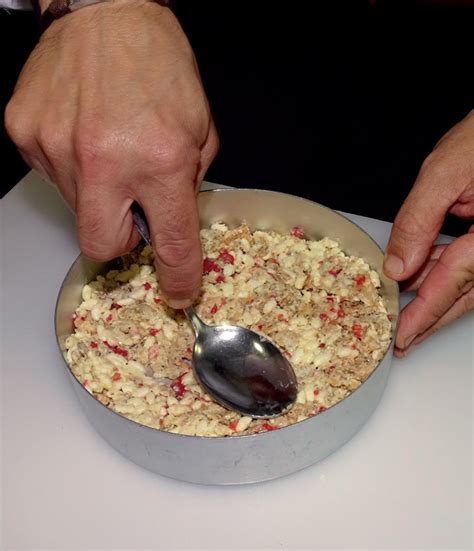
(459, 256)
(430, 311)
(51, 138)
(469, 301)
(177, 288)
(181, 285)
(430, 164)
(95, 249)
(93, 150)
(215, 144)
(439, 160)
(17, 126)
(409, 227)
(88, 150)
(91, 145)
(464, 287)
(175, 252)
(173, 155)
(91, 252)
(445, 165)
(90, 236)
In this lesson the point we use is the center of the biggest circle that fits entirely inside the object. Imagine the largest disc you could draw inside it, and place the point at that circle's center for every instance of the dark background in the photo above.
(336, 101)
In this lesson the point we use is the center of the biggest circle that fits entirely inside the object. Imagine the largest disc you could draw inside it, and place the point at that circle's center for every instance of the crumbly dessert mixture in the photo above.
(321, 307)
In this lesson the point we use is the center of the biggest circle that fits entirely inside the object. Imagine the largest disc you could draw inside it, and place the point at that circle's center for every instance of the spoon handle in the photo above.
(140, 223)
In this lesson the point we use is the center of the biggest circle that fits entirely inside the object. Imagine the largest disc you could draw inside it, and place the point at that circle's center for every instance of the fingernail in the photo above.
(393, 265)
(179, 304)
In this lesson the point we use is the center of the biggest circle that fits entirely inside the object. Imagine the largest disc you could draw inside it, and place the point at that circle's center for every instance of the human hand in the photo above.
(110, 107)
(442, 276)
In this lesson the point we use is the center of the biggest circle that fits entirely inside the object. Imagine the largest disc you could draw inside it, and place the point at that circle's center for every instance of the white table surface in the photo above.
(403, 482)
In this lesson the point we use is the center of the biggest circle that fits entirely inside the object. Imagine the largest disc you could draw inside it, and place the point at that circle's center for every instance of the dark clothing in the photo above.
(336, 101)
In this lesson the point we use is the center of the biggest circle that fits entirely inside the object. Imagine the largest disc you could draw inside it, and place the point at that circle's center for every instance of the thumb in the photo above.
(173, 219)
(419, 220)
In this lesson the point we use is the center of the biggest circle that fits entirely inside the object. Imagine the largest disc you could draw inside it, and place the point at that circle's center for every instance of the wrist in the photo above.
(49, 10)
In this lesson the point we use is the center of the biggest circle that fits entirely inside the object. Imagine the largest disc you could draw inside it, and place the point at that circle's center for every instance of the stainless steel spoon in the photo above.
(239, 368)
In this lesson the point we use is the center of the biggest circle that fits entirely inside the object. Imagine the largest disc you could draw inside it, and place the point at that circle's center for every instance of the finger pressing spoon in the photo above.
(242, 370)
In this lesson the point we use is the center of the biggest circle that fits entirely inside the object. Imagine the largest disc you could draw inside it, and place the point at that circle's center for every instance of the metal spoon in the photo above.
(239, 368)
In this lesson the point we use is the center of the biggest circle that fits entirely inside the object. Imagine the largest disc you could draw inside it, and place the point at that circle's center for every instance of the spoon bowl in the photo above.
(242, 370)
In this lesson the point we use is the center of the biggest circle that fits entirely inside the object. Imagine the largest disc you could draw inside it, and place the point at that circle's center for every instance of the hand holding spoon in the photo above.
(239, 368)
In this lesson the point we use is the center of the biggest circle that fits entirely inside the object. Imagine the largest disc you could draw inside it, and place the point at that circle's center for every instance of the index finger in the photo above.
(420, 218)
(172, 216)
